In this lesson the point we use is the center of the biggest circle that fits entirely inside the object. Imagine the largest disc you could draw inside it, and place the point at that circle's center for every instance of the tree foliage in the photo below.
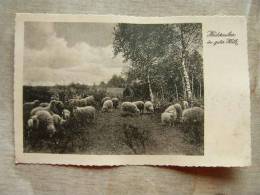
(163, 57)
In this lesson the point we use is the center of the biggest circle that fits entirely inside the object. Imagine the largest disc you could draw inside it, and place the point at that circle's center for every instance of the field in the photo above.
(114, 134)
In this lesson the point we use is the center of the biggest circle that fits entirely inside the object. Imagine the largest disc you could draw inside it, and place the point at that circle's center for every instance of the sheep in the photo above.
(148, 106)
(58, 121)
(89, 101)
(55, 107)
(44, 104)
(66, 114)
(84, 115)
(42, 122)
(185, 105)
(140, 105)
(75, 102)
(107, 106)
(27, 108)
(128, 108)
(179, 112)
(115, 102)
(105, 99)
(193, 123)
(194, 115)
(170, 109)
(31, 105)
(175, 108)
(168, 118)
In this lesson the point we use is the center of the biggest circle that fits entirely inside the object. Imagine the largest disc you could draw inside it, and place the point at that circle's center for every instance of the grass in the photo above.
(114, 134)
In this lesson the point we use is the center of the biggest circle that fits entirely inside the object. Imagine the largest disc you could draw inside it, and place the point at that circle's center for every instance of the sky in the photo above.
(61, 53)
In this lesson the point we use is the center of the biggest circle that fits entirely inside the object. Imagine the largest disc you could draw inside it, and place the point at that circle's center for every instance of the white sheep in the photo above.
(84, 115)
(58, 121)
(75, 102)
(170, 109)
(27, 108)
(129, 108)
(185, 105)
(107, 106)
(140, 105)
(194, 115)
(43, 123)
(88, 101)
(55, 107)
(44, 104)
(66, 114)
(148, 106)
(176, 108)
(179, 112)
(115, 102)
(105, 99)
(168, 118)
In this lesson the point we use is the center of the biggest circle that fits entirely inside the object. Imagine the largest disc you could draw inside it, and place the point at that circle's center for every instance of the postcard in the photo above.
(113, 90)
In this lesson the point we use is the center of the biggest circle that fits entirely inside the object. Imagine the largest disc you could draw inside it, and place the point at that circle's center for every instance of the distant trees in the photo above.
(164, 56)
(116, 81)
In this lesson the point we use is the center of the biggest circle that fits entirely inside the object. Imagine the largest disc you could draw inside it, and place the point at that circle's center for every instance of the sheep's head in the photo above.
(59, 106)
(51, 130)
(36, 102)
(104, 109)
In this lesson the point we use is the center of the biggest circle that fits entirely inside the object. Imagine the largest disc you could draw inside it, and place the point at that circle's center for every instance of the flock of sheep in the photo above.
(49, 118)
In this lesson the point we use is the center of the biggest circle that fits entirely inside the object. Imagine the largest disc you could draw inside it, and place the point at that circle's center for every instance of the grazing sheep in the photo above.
(107, 106)
(32, 123)
(89, 101)
(193, 123)
(140, 105)
(27, 108)
(168, 118)
(148, 106)
(66, 114)
(105, 99)
(44, 104)
(185, 105)
(193, 116)
(84, 115)
(55, 107)
(170, 109)
(115, 102)
(42, 123)
(58, 121)
(128, 108)
(179, 112)
(75, 102)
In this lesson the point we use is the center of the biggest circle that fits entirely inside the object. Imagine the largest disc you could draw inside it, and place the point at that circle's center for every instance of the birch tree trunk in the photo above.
(185, 73)
(150, 88)
(162, 93)
(176, 90)
(200, 88)
(186, 79)
(183, 87)
(192, 86)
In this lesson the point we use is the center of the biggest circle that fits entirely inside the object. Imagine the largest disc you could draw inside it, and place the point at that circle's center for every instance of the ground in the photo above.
(112, 133)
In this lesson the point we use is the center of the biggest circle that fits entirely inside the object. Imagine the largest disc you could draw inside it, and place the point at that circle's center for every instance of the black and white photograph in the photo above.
(113, 88)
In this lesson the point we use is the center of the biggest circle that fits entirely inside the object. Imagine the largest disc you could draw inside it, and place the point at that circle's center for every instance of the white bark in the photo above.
(176, 90)
(185, 73)
(186, 79)
(200, 88)
(150, 88)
